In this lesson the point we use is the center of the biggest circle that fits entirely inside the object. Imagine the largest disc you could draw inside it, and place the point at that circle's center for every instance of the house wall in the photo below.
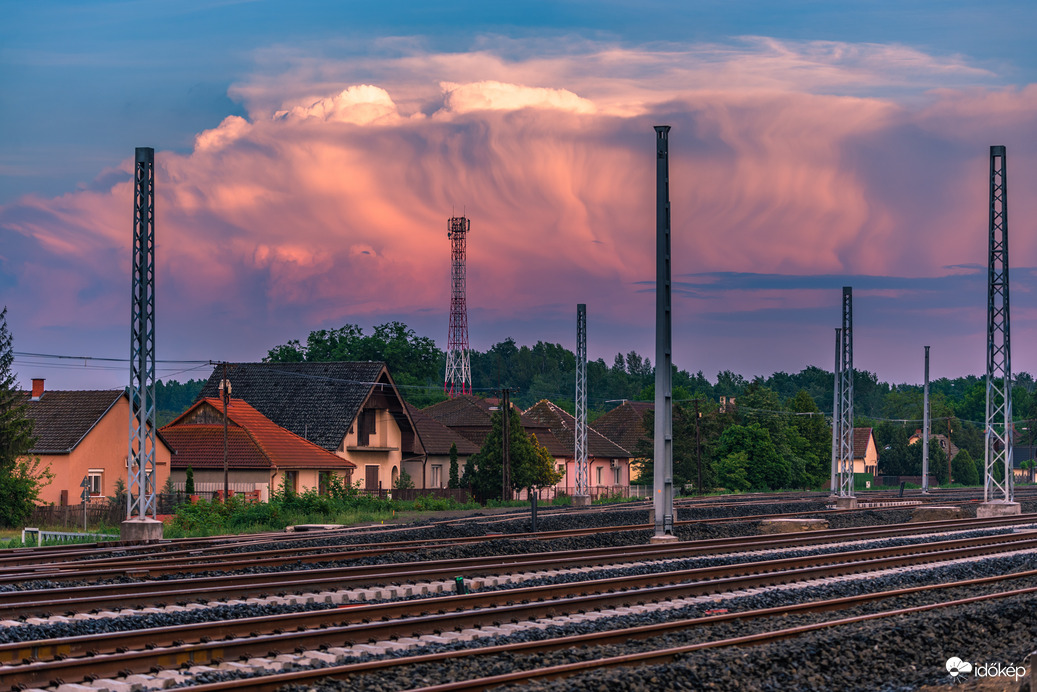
(608, 475)
(383, 450)
(216, 476)
(103, 449)
(869, 462)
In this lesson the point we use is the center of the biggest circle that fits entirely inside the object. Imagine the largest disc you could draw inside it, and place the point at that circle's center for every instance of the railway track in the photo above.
(217, 642)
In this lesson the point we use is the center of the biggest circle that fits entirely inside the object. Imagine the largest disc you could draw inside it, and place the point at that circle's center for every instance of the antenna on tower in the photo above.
(458, 379)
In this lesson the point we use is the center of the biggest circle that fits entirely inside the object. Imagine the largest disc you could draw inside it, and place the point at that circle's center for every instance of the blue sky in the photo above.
(815, 145)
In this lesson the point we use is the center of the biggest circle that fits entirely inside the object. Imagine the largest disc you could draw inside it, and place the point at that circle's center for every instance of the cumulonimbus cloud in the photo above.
(329, 204)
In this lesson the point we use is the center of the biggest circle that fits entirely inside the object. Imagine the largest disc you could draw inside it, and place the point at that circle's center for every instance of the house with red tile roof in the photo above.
(608, 464)
(260, 454)
(349, 409)
(84, 435)
(865, 453)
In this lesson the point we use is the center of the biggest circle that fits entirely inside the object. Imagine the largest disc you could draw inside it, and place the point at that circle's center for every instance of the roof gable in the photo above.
(257, 441)
(563, 426)
(624, 425)
(316, 401)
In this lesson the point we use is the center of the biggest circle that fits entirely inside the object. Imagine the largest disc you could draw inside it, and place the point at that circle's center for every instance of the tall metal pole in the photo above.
(698, 445)
(225, 389)
(836, 416)
(925, 427)
(582, 496)
(506, 444)
(663, 497)
(140, 460)
(846, 398)
(998, 455)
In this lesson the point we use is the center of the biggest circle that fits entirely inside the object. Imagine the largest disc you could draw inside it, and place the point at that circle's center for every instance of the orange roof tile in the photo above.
(258, 441)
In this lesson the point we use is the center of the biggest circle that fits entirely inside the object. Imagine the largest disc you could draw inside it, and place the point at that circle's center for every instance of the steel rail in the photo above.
(416, 617)
(592, 639)
(79, 598)
(135, 568)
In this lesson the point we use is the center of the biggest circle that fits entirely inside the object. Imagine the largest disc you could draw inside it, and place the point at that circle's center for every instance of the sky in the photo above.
(308, 156)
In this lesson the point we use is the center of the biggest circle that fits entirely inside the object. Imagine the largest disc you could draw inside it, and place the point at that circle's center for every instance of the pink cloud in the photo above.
(328, 204)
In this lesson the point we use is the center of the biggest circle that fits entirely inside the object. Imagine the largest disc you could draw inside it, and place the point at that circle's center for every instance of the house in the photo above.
(351, 409)
(436, 438)
(865, 453)
(471, 417)
(625, 424)
(260, 454)
(948, 447)
(85, 435)
(608, 464)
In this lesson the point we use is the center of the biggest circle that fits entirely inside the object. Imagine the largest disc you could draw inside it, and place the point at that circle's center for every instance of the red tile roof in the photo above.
(860, 442)
(253, 440)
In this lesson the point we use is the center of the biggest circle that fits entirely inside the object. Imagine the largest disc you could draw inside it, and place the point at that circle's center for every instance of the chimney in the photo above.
(37, 388)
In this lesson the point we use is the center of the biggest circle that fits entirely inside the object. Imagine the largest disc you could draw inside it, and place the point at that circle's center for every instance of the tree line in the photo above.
(778, 435)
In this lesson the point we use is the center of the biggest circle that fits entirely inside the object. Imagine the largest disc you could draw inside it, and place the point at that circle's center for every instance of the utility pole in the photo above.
(663, 466)
(698, 445)
(836, 416)
(582, 496)
(925, 428)
(997, 495)
(506, 443)
(225, 390)
(141, 524)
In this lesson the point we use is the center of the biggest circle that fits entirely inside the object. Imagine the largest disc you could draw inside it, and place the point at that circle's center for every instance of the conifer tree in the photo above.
(20, 476)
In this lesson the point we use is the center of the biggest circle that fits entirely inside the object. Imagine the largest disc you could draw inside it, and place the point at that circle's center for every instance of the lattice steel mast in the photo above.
(663, 468)
(581, 401)
(458, 379)
(846, 398)
(140, 495)
(999, 352)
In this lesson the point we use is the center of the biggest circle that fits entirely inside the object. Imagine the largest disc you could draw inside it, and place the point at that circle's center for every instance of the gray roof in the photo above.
(61, 419)
(563, 426)
(317, 401)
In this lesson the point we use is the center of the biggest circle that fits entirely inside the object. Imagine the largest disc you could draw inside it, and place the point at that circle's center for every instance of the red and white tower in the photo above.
(458, 378)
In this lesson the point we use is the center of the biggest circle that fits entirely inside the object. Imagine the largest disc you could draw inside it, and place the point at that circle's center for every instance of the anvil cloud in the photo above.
(796, 168)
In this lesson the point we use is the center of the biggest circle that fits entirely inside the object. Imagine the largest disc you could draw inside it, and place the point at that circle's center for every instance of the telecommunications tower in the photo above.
(458, 378)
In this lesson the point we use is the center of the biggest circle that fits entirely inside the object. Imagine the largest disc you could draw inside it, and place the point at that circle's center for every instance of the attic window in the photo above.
(365, 428)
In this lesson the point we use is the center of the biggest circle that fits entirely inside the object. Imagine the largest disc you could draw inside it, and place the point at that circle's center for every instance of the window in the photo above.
(291, 481)
(95, 477)
(618, 473)
(365, 428)
(599, 474)
(323, 480)
(437, 476)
